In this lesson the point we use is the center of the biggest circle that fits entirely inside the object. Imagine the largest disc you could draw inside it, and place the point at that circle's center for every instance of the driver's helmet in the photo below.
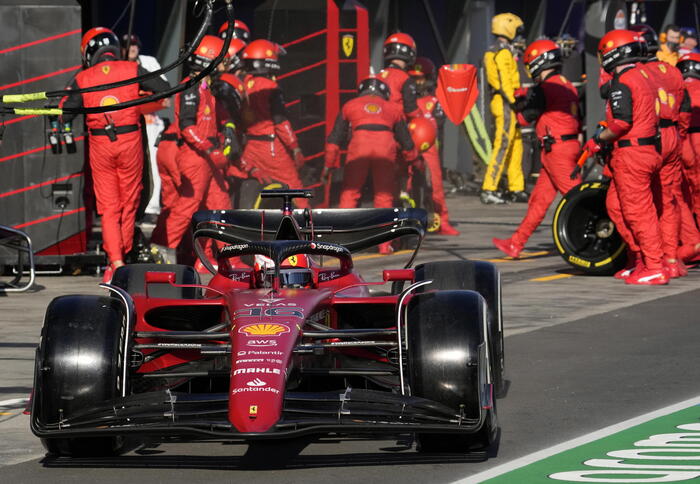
(294, 271)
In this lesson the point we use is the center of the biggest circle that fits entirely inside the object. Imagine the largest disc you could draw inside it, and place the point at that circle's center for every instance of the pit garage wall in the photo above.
(327, 44)
(40, 51)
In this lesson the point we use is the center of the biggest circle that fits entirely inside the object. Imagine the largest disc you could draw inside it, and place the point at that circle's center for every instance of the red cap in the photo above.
(235, 47)
(240, 30)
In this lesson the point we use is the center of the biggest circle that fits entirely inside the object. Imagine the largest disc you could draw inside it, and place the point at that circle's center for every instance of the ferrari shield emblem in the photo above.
(105, 70)
(348, 44)
(457, 90)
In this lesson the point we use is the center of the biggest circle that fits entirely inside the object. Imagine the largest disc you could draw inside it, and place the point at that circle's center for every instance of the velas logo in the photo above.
(263, 329)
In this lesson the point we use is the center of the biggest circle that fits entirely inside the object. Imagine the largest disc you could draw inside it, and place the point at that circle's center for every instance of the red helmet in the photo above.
(619, 47)
(651, 40)
(207, 50)
(400, 46)
(542, 55)
(262, 56)
(374, 85)
(423, 133)
(423, 67)
(98, 41)
(240, 31)
(233, 55)
(689, 65)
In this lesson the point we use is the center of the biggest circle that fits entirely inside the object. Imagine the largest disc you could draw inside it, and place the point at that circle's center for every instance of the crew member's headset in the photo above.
(662, 36)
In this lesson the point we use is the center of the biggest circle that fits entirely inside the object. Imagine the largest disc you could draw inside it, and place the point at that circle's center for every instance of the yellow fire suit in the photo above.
(503, 77)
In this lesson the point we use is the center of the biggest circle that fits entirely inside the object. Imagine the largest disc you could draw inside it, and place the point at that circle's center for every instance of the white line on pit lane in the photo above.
(578, 441)
(13, 402)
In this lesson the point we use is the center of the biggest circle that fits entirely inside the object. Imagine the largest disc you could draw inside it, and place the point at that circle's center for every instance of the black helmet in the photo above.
(651, 40)
(689, 65)
(372, 85)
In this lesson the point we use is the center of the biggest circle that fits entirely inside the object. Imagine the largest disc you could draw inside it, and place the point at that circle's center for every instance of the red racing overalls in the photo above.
(201, 165)
(554, 104)
(116, 154)
(402, 89)
(635, 162)
(429, 107)
(371, 127)
(269, 135)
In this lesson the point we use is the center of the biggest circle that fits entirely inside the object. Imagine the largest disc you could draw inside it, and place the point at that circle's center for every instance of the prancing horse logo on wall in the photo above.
(348, 44)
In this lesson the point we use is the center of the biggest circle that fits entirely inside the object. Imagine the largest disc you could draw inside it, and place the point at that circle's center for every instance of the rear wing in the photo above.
(356, 229)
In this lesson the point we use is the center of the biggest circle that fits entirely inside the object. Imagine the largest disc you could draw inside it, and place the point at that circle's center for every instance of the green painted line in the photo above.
(663, 446)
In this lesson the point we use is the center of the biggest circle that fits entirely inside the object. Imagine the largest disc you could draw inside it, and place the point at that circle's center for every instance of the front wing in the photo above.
(203, 416)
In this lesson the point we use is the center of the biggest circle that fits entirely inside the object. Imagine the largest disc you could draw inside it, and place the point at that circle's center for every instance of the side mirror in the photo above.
(399, 275)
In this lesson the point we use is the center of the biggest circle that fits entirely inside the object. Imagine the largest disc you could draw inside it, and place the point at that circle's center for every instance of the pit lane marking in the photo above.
(540, 455)
(377, 256)
(555, 277)
(13, 402)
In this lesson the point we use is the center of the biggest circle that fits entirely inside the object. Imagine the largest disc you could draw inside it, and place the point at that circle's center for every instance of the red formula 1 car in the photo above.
(285, 340)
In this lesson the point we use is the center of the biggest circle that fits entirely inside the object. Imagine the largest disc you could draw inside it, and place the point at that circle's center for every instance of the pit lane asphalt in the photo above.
(581, 353)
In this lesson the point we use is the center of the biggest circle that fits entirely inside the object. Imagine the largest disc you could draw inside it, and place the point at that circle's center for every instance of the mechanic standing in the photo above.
(671, 93)
(424, 73)
(553, 104)
(154, 124)
(271, 146)
(371, 126)
(399, 54)
(632, 129)
(670, 44)
(200, 159)
(116, 153)
(689, 66)
(503, 77)
(227, 88)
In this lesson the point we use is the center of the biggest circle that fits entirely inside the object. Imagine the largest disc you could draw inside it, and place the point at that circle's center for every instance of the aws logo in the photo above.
(372, 108)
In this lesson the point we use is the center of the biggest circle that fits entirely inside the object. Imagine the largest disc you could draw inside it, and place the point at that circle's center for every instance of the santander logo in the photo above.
(256, 383)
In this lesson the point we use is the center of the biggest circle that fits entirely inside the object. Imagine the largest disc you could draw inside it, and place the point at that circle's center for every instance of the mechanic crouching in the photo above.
(633, 131)
(116, 153)
(553, 104)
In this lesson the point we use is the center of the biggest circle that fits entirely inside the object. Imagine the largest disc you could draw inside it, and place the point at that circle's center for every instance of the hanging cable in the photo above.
(53, 111)
(38, 96)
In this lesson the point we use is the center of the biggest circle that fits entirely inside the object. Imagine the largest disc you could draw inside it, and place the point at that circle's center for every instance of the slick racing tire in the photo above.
(448, 364)
(484, 278)
(79, 365)
(583, 233)
(132, 278)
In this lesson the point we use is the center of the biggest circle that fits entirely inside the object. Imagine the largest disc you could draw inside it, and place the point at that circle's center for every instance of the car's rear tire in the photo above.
(132, 278)
(584, 235)
(484, 278)
(446, 358)
(79, 365)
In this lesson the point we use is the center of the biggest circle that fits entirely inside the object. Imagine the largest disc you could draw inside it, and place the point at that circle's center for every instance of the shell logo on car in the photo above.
(264, 329)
